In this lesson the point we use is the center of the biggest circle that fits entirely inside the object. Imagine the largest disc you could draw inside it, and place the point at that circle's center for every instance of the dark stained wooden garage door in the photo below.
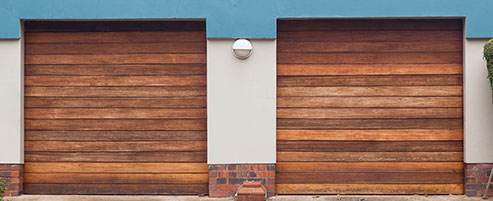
(369, 107)
(115, 108)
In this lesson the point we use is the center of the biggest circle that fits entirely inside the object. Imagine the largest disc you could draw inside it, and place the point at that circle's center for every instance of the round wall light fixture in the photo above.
(242, 48)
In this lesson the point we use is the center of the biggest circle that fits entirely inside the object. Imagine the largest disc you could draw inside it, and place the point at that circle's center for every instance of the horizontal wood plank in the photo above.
(373, 102)
(115, 48)
(115, 91)
(370, 36)
(115, 136)
(369, 178)
(133, 157)
(325, 124)
(372, 135)
(391, 189)
(98, 178)
(47, 167)
(116, 125)
(345, 167)
(369, 146)
(140, 81)
(113, 113)
(115, 189)
(371, 91)
(116, 70)
(369, 156)
(352, 47)
(368, 24)
(368, 113)
(117, 59)
(171, 102)
(120, 26)
(57, 146)
(114, 37)
(380, 80)
(368, 58)
(367, 69)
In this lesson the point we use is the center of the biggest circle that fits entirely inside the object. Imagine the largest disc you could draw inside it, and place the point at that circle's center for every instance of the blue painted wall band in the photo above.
(244, 18)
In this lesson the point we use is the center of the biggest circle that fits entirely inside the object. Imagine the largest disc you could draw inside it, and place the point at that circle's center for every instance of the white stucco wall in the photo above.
(478, 107)
(241, 103)
(11, 102)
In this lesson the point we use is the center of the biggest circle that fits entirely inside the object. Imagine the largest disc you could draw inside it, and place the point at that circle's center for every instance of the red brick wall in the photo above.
(224, 180)
(12, 174)
(477, 175)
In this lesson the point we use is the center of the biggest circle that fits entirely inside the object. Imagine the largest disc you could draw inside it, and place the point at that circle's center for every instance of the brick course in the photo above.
(12, 174)
(477, 176)
(224, 180)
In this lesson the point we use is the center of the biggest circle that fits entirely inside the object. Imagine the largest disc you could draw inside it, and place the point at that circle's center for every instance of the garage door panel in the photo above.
(364, 58)
(179, 80)
(122, 146)
(112, 189)
(372, 135)
(369, 36)
(368, 113)
(116, 70)
(367, 69)
(390, 189)
(171, 102)
(373, 80)
(369, 102)
(369, 156)
(374, 167)
(113, 37)
(117, 125)
(115, 109)
(362, 47)
(398, 91)
(120, 26)
(114, 113)
(194, 157)
(370, 178)
(368, 24)
(369, 146)
(116, 59)
(302, 124)
(114, 91)
(115, 48)
(91, 178)
(110, 168)
(116, 135)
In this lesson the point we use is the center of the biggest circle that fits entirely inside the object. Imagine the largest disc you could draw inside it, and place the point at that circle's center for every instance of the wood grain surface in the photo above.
(370, 107)
(115, 108)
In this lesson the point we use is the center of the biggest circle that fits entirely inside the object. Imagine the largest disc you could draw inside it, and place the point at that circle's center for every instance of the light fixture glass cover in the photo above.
(242, 48)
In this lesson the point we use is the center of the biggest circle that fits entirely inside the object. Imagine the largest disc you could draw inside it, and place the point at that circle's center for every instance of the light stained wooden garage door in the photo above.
(115, 108)
(369, 107)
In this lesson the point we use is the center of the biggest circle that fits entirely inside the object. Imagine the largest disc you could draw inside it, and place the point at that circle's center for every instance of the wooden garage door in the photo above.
(115, 108)
(369, 107)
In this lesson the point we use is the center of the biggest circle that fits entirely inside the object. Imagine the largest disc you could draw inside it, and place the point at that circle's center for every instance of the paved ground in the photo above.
(280, 198)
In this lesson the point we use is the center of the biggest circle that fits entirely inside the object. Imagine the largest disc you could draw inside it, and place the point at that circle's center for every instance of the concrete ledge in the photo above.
(109, 198)
(278, 198)
(377, 198)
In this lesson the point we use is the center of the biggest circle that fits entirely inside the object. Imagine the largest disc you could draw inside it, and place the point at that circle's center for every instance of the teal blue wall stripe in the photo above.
(245, 18)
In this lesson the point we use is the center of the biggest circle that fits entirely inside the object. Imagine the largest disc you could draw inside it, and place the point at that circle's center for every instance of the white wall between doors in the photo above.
(241, 103)
(478, 105)
(11, 102)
